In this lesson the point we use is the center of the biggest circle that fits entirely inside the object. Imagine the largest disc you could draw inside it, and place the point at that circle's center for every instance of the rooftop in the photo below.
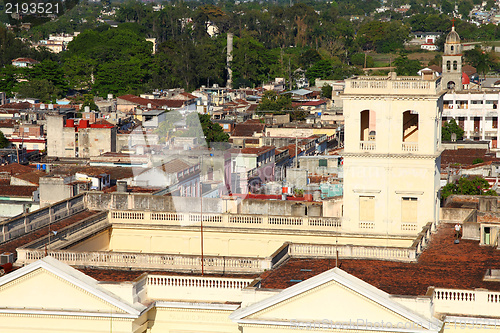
(442, 265)
(12, 245)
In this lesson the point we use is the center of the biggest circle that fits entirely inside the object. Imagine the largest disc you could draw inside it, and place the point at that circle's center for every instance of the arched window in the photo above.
(455, 65)
(367, 125)
(451, 85)
(410, 126)
(448, 65)
(452, 47)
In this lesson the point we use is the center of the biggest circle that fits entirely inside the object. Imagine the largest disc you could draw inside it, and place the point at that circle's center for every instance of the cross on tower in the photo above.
(453, 21)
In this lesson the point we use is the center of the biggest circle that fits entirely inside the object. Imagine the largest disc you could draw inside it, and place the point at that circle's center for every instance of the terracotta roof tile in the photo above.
(17, 190)
(31, 177)
(443, 265)
(465, 157)
(12, 245)
(116, 275)
(16, 169)
(248, 128)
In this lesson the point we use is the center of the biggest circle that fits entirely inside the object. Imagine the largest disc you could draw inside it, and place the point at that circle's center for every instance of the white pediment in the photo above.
(51, 286)
(335, 300)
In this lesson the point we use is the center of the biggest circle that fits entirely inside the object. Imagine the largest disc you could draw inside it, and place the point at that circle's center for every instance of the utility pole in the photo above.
(201, 220)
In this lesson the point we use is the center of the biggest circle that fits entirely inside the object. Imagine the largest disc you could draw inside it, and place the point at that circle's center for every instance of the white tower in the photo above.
(452, 62)
(392, 154)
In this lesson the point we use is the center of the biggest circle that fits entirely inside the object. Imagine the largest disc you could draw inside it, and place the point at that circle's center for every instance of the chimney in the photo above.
(87, 108)
(229, 83)
(121, 186)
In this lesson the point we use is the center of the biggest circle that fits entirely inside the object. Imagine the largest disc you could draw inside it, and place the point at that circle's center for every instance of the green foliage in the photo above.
(466, 186)
(88, 100)
(42, 89)
(8, 79)
(119, 60)
(212, 132)
(271, 101)
(406, 67)
(477, 161)
(449, 128)
(52, 72)
(4, 143)
(359, 59)
(483, 61)
(163, 130)
(383, 36)
(326, 91)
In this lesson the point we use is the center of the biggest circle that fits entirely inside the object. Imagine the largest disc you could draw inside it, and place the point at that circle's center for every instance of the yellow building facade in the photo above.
(392, 154)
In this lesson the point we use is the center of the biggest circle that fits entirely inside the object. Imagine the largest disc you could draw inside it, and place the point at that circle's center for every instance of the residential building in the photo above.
(251, 167)
(65, 138)
(24, 62)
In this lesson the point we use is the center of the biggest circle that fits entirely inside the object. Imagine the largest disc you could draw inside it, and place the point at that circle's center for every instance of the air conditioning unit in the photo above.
(6, 257)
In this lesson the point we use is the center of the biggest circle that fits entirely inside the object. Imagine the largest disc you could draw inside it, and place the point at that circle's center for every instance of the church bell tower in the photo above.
(452, 62)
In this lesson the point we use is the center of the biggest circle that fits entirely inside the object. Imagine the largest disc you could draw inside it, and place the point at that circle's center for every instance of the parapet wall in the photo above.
(148, 202)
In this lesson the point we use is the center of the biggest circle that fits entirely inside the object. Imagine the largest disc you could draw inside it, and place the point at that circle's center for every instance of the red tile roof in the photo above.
(159, 102)
(101, 123)
(29, 60)
(170, 103)
(16, 169)
(7, 123)
(248, 128)
(188, 95)
(31, 177)
(443, 265)
(116, 275)
(17, 190)
(465, 157)
(12, 245)
(15, 106)
(174, 166)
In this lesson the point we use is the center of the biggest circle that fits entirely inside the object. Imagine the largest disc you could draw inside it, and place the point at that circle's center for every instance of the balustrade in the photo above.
(367, 145)
(228, 220)
(409, 146)
(151, 261)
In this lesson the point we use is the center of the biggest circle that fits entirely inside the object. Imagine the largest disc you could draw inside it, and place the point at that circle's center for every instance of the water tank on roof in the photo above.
(84, 123)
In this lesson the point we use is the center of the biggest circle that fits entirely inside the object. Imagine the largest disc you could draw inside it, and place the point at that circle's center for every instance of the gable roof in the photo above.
(31, 177)
(78, 279)
(15, 169)
(346, 280)
(248, 128)
(174, 166)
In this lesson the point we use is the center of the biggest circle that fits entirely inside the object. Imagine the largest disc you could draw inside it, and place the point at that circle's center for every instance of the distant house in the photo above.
(24, 62)
(177, 176)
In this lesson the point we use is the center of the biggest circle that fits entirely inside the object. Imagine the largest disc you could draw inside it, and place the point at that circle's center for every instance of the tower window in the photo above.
(455, 65)
(409, 209)
(367, 208)
(452, 47)
(448, 65)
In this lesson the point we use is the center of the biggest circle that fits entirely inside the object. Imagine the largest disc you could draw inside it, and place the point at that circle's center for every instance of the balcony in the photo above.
(367, 145)
(409, 146)
(402, 85)
(474, 302)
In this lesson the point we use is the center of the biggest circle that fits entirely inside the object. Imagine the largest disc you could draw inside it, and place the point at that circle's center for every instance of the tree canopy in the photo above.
(474, 186)
(449, 128)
